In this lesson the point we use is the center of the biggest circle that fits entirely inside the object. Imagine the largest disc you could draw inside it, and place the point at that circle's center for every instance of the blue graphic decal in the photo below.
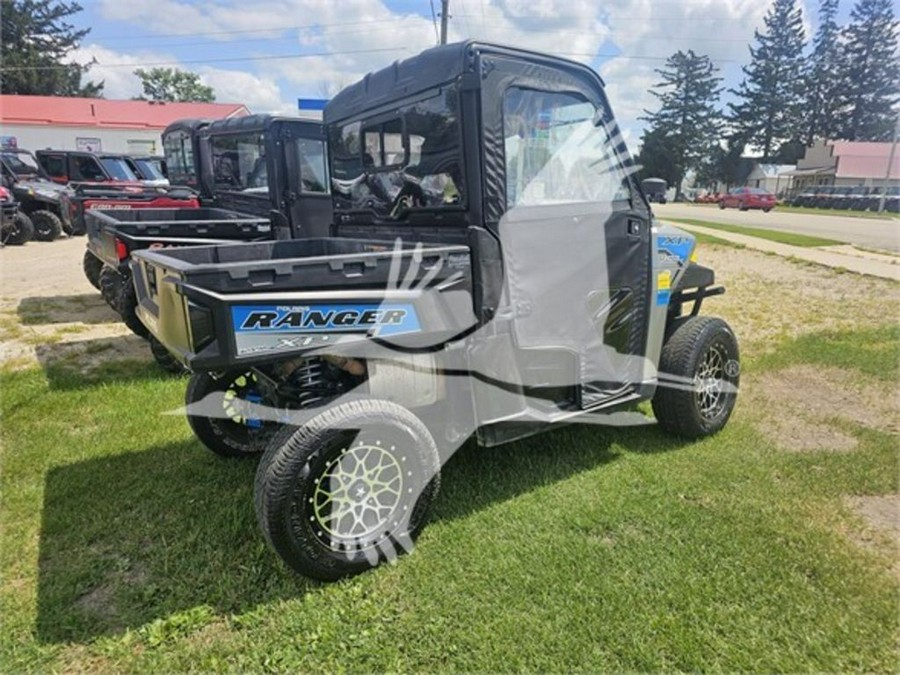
(676, 245)
(374, 319)
(662, 297)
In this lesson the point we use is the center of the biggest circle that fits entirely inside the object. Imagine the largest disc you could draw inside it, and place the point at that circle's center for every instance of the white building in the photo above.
(97, 124)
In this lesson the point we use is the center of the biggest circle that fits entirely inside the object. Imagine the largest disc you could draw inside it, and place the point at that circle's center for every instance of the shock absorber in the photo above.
(309, 380)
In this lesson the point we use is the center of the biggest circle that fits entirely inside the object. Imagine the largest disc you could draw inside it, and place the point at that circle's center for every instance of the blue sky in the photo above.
(267, 53)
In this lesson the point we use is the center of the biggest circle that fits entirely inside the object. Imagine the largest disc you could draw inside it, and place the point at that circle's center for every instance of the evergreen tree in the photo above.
(656, 159)
(871, 74)
(685, 128)
(36, 41)
(823, 87)
(772, 91)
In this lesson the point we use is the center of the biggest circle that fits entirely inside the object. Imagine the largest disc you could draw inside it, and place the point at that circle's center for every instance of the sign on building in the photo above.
(88, 144)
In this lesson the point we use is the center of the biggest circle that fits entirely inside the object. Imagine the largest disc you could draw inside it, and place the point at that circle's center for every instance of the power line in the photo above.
(232, 59)
(239, 31)
(437, 37)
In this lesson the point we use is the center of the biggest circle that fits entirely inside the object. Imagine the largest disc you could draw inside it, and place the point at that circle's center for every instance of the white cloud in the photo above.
(115, 69)
(259, 94)
(360, 36)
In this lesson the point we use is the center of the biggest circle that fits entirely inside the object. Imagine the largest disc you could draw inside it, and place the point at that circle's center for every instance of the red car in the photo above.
(745, 198)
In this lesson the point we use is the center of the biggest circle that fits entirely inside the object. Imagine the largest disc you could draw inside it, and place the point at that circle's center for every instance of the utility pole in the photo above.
(887, 174)
(445, 15)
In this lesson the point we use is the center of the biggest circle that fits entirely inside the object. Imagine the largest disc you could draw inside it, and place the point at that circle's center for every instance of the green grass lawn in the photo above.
(761, 233)
(127, 547)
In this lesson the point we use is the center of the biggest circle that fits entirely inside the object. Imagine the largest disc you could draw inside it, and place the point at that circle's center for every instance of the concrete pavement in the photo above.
(869, 232)
(848, 258)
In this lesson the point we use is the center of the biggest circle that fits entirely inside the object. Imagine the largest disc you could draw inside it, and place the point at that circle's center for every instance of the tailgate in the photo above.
(415, 298)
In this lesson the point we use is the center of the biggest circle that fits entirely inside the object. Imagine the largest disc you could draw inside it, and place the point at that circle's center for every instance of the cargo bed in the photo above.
(114, 234)
(218, 307)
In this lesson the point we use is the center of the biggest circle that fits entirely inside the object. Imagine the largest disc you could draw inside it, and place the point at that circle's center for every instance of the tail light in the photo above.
(4, 193)
(121, 250)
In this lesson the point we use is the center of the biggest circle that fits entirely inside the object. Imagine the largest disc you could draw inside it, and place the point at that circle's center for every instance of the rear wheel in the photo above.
(19, 231)
(164, 358)
(347, 490)
(699, 377)
(767, 209)
(218, 416)
(92, 266)
(47, 225)
(722, 204)
(126, 305)
(110, 286)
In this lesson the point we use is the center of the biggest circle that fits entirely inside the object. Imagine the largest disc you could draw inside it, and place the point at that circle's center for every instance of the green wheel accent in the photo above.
(358, 493)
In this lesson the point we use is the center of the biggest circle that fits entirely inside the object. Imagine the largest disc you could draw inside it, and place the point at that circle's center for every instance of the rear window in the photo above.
(179, 153)
(239, 163)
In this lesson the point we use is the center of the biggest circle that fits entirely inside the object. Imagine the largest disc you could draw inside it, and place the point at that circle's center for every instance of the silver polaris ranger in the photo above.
(493, 270)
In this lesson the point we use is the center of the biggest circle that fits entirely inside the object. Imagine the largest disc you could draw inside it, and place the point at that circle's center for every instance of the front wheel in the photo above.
(347, 490)
(47, 225)
(722, 205)
(699, 376)
(19, 231)
(218, 415)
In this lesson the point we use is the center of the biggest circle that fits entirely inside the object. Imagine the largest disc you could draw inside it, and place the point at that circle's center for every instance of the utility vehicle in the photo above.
(68, 166)
(183, 151)
(15, 227)
(39, 198)
(493, 269)
(267, 177)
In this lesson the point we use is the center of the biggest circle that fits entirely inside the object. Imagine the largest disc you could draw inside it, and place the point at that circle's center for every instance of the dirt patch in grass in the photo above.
(881, 514)
(769, 298)
(802, 407)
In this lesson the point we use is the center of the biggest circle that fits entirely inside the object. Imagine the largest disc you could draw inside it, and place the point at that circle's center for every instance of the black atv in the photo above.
(39, 198)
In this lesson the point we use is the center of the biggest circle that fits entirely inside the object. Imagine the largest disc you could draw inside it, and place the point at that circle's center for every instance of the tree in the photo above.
(685, 128)
(656, 159)
(170, 84)
(35, 47)
(871, 75)
(772, 90)
(823, 100)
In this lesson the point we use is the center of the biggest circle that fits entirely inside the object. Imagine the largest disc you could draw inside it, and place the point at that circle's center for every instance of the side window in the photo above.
(89, 169)
(557, 151)
(54, 165)
(313, 169)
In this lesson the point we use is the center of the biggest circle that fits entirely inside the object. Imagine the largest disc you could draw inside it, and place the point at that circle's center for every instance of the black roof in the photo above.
(260, 122)
(187, 124)
(432, 68)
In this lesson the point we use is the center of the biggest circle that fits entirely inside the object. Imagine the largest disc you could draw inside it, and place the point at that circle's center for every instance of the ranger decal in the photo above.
(261, 328)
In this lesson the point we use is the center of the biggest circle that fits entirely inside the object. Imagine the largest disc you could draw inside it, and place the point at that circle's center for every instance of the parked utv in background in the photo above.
(75, 166)
(655, 189)
(150, 170)
(493, 269)
(268, 178)
(40, 199)
(183, 153)
(15, 228)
